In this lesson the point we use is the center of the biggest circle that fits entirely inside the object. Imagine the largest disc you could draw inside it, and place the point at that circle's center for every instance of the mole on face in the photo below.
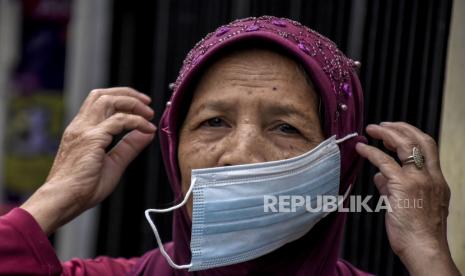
(274, 88)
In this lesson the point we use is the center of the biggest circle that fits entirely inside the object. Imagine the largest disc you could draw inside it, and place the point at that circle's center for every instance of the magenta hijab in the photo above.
(335, 79)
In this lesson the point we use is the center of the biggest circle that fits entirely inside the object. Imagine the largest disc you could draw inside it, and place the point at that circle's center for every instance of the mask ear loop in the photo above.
(347, 137)
(157, 235)
(345, 194)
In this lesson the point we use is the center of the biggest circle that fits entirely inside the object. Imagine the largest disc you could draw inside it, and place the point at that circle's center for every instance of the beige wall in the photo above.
(452, 136)
(10, 12)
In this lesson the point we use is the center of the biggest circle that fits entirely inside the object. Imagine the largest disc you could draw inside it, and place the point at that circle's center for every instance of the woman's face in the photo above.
(250, 106)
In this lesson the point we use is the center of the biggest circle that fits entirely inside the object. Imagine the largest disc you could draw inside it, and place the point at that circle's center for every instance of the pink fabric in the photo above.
(26, 250)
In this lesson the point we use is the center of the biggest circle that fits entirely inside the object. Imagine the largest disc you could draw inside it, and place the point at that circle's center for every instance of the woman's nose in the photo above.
(245, 146)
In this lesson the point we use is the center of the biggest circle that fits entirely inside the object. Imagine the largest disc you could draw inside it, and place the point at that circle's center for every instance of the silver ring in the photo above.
(417, 158)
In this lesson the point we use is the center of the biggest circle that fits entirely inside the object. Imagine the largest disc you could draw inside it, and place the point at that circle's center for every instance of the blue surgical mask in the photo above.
(229, 222)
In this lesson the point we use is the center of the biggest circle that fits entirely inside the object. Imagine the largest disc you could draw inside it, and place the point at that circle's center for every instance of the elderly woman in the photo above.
(263, 106)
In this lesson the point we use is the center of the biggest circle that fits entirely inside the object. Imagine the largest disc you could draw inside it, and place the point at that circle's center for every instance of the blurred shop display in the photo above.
(34, 101)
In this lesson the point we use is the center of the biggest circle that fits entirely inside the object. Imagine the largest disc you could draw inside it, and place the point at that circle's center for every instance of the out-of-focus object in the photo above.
(452, 133)
(34, 110)
(87, 63)
(10, 17)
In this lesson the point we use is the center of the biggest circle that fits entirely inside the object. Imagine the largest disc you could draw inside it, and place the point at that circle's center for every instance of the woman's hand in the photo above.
(419, 198)
(83, 173)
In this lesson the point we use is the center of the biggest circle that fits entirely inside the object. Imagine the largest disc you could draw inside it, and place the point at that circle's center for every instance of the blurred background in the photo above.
(53, 52)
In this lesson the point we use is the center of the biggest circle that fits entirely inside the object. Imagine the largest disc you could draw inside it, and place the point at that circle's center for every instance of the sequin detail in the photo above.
(346, 89)
(279, 23)
(303, 48)
(252, 28)
(221, 31)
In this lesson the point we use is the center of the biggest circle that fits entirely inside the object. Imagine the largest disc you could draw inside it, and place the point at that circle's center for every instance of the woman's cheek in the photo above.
(195, 154)
(289, 147)
(200, 153)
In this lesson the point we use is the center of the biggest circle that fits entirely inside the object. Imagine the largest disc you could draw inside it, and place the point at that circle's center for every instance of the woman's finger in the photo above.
(119, 122)
(124, 153)
(385, 163)
(114, 91)
(394, 141)
(426, 143)
(107, 105)
(380, 182)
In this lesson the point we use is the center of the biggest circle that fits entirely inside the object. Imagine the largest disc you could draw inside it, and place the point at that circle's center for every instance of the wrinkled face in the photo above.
(250, 106)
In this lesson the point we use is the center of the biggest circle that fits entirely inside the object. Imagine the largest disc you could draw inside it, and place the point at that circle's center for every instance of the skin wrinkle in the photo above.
(233, 119)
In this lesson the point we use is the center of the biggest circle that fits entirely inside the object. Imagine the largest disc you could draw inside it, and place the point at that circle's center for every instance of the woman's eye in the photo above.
(214, 122)
(287, 128)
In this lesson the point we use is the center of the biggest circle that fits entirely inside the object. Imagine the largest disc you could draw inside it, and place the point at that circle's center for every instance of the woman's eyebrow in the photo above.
(216, 105)
(275, 109)
(284, 109)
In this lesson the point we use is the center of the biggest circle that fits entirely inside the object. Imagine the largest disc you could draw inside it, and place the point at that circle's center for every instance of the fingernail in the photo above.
(359, 144)
(152, 127)
(384, 123)
(147, 97)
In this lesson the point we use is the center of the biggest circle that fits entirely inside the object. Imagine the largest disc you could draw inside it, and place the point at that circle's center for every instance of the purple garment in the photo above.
(25, 250)
(335, 80)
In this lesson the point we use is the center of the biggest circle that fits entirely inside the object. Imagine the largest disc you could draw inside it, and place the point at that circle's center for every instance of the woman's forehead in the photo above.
(252, 71)
(267, 60)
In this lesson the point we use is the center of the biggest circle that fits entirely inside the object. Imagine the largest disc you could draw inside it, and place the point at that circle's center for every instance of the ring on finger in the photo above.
(416, 158)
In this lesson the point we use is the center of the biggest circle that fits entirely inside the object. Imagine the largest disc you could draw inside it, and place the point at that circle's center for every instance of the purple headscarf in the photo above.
(339, 88)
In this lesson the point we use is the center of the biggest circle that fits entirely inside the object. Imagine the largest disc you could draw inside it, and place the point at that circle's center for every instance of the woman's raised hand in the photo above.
(83, 173)
(418, 195)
